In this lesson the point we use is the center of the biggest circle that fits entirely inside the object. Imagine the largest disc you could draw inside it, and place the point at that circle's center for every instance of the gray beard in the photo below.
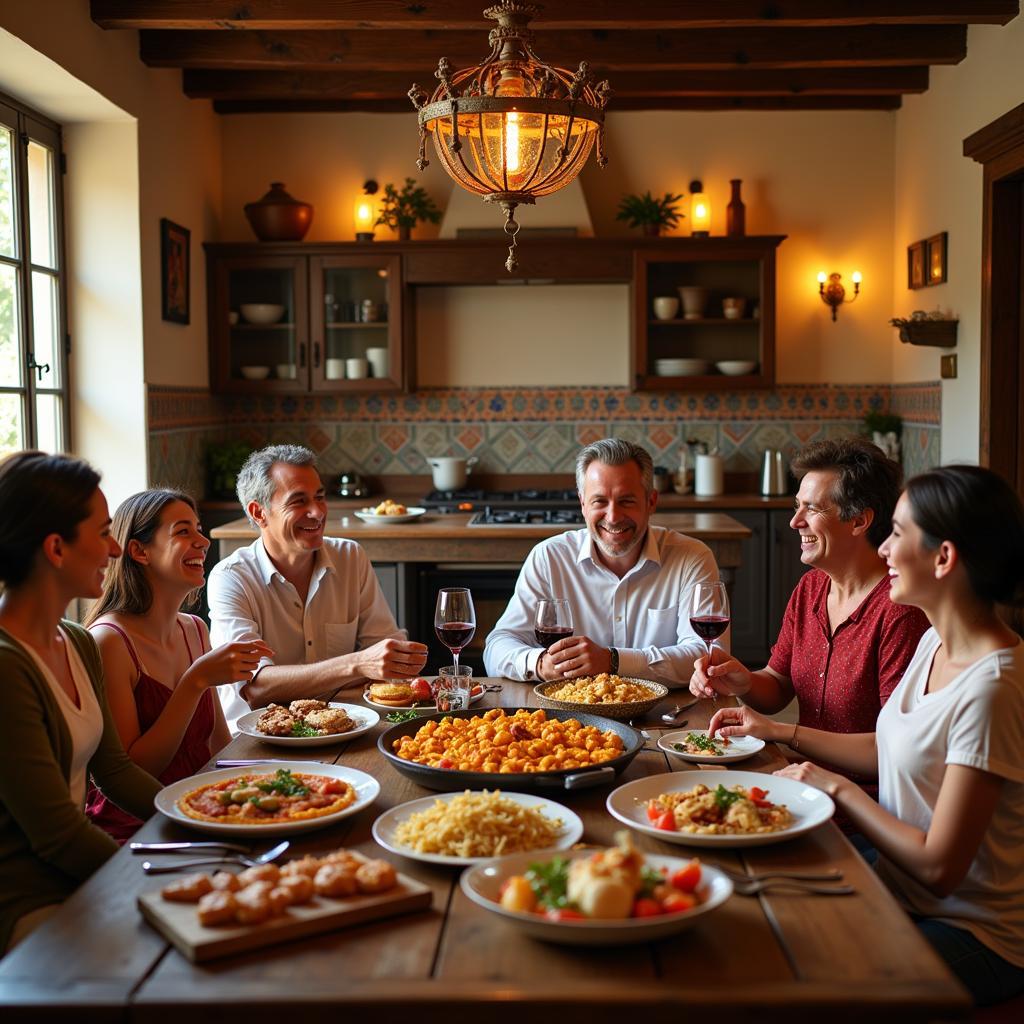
(609, 552)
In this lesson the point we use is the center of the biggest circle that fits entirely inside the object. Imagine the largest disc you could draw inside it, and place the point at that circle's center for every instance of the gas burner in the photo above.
(527, 517)
(528, 498)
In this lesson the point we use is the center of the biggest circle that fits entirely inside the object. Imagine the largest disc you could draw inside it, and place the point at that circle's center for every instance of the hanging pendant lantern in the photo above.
(512, 128)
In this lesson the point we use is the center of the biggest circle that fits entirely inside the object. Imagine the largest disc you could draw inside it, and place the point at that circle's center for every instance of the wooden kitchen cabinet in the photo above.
(288, 320)
(721, 269)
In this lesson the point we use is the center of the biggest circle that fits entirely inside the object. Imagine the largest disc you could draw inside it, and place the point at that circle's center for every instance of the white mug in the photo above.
(335, 369)
(708, 477)
(378, 360)
(356, 369)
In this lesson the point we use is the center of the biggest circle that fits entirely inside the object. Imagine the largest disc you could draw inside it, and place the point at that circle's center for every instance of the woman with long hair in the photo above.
(949, 825)
(157, 660)
(56, 729)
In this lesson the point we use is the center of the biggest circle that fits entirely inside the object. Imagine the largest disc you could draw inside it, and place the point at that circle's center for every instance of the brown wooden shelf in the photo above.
(939, 333)
(704, 320)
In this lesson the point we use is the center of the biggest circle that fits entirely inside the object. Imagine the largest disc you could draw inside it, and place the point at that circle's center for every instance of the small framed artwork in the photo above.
(915, 265)
(174, 271)
(936, 258)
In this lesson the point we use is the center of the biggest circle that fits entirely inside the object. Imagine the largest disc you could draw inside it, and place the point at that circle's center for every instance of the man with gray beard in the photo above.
(628, 583)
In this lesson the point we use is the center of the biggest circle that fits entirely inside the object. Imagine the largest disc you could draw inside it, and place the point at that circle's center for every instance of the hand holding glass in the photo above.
(455, 619)
(709, 612)
(553, 621)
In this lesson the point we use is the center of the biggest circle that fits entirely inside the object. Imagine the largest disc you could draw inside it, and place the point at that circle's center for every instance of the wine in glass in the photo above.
(553, 621)
(709, 612)
(454, 619)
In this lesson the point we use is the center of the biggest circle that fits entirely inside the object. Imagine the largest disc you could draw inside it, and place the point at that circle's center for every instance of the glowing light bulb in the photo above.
(512, 141)
(701, 210)
(821, 277)
(855, 277)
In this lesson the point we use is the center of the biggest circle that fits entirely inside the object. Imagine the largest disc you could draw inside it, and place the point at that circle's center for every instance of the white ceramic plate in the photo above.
(482, 884)
(372, 517)
(739, 748)
(366, 786)
(810, 807)
(384, 827)
(421, 705)
(364, 718)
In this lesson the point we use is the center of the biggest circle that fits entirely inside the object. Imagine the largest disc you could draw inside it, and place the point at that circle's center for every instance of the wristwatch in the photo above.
(614, 666)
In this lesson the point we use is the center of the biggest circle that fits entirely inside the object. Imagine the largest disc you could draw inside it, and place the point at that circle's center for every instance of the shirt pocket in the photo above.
(662, 627)
(340, 638)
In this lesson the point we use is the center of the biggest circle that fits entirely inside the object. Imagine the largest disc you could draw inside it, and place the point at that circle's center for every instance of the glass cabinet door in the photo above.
(356, 335)
(260, 321)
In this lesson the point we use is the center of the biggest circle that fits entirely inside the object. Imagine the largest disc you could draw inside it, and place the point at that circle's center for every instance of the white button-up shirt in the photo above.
(344, 611)
(645, 615)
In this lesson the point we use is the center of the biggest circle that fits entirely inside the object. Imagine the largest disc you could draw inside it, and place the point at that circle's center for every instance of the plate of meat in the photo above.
(308, 723)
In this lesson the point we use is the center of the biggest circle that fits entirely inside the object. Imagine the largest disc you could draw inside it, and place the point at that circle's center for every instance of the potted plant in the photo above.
(223, 461)
(650, 213)
(885, 429)
(403, 210)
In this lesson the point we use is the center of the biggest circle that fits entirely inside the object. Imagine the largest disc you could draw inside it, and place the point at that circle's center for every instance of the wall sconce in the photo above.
(834, 294)
(700, 211)
(366, 212)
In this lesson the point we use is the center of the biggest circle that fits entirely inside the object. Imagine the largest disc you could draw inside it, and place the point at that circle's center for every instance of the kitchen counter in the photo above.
(447, 538)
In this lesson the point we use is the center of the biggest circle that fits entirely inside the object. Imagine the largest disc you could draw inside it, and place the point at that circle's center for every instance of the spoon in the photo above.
(250, 862)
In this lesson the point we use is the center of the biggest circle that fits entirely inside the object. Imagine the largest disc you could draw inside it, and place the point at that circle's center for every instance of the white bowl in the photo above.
(261, 312)
(680, 367)
(736, 367)
(285, 371)
(255, 372)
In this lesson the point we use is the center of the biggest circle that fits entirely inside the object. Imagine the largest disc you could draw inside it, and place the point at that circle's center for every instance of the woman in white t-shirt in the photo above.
(949, 825)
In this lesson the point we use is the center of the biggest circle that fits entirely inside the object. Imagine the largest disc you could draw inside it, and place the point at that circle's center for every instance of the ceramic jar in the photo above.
(665, 307)
(695, 298)
(278, 217)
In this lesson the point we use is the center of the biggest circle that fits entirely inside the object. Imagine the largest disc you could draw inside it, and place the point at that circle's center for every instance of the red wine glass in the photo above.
(709, 612)
(454, 620)
(553, 621)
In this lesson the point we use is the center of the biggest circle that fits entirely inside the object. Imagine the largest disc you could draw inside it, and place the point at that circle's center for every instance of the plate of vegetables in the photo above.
(305, 734)
(597, 897)
(697, 746)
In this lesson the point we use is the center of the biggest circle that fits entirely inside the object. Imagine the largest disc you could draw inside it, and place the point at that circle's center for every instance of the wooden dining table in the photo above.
(776, 955)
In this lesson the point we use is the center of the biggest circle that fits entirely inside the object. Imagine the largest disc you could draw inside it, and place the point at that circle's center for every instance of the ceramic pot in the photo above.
(695, 298)
(450, 474)
(665, 307)
(278, 217)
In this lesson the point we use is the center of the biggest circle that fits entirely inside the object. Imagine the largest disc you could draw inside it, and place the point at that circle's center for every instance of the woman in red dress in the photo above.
(157, 661)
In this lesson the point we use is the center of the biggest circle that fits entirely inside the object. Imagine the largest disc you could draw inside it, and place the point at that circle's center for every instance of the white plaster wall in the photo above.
(938, 189)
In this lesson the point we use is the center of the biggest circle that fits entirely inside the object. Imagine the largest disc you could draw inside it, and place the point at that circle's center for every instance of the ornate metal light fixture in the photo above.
(513, 127)
(834, 294)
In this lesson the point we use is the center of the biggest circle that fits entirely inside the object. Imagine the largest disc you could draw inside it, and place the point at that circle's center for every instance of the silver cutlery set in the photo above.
(231, 854)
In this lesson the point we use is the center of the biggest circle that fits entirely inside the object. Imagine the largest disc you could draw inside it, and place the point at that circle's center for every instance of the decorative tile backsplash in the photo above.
(525, 430)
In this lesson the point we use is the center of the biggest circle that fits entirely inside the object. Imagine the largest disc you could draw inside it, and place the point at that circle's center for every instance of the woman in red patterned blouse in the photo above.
(843, 645)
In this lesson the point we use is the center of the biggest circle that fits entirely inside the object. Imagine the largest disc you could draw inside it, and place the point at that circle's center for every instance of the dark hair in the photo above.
(977, 511)
(125, 587)
(40, 495)
(865, 479)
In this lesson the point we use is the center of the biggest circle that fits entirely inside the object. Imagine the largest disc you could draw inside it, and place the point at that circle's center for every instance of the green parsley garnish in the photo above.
(650, 878)
(725, 798)
(402, 716)
(550, 883)
(301, 729)
(284, 784)
(702, 742)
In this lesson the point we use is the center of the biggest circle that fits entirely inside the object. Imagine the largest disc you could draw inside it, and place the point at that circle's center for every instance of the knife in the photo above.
(178, 847)
(243, 762)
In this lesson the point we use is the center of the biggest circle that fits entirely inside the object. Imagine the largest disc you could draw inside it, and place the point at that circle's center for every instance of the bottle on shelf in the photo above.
(735, 212)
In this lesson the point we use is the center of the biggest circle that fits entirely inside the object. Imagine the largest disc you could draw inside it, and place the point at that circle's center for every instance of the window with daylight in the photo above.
(33, 348)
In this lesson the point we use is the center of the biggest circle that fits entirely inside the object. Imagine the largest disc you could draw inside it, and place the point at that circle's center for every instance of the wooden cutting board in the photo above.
(178, 922)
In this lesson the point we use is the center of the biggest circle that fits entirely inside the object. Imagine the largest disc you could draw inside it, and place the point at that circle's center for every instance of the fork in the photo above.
(249, 862)
(832, 875)
(753, 888)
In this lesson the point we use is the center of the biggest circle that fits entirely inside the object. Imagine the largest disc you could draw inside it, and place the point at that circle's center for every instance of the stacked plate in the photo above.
(681, 367)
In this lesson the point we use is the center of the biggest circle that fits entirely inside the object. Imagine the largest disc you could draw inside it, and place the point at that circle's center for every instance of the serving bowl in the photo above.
(255, 372)
(482, 884)
(735, 367)
(624, 710)
(261, 312)
(681, 367)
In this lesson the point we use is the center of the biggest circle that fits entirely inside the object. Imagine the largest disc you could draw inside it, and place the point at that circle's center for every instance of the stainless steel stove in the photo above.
(477, 500)
(565, 517)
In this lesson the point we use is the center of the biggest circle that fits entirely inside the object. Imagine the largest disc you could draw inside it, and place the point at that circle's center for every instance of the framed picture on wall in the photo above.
(174, 271)
(936, 258)
(915, 265)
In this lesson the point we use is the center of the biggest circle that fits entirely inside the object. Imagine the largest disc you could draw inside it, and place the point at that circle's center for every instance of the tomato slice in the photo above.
(687, 879)
(563, 914)
(677, 903)
(646, 907)
(654, 812)
(666, 822)
(757, 793)
(420, 689)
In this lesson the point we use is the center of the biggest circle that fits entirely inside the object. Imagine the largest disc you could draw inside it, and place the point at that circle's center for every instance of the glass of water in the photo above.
(454, 683)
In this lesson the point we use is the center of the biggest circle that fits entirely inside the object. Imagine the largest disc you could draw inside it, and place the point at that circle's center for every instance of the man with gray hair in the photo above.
(628, 583)
(315, 600)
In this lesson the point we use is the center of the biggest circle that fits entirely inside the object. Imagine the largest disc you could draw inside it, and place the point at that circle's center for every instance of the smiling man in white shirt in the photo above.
(628, 583)
(315, 600)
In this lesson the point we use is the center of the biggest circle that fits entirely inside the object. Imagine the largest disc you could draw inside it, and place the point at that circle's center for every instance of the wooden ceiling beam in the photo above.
(613, 50)
(562, 14)
(393, 85)
(628, 103)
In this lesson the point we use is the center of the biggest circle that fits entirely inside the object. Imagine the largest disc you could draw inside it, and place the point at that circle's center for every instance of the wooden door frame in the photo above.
(999, 148)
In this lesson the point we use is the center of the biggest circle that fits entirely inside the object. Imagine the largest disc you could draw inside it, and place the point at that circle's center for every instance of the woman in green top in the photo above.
(56, 729)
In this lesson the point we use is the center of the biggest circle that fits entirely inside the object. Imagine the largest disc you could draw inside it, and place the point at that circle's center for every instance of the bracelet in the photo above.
(794, 743)
(614, 666)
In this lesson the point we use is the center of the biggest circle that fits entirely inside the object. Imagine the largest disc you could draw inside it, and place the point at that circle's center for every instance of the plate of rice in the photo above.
(611, 696)
(458, 829)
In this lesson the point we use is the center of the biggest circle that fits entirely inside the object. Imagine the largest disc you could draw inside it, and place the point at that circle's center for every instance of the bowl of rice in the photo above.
(611, 696)
(458, 829)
